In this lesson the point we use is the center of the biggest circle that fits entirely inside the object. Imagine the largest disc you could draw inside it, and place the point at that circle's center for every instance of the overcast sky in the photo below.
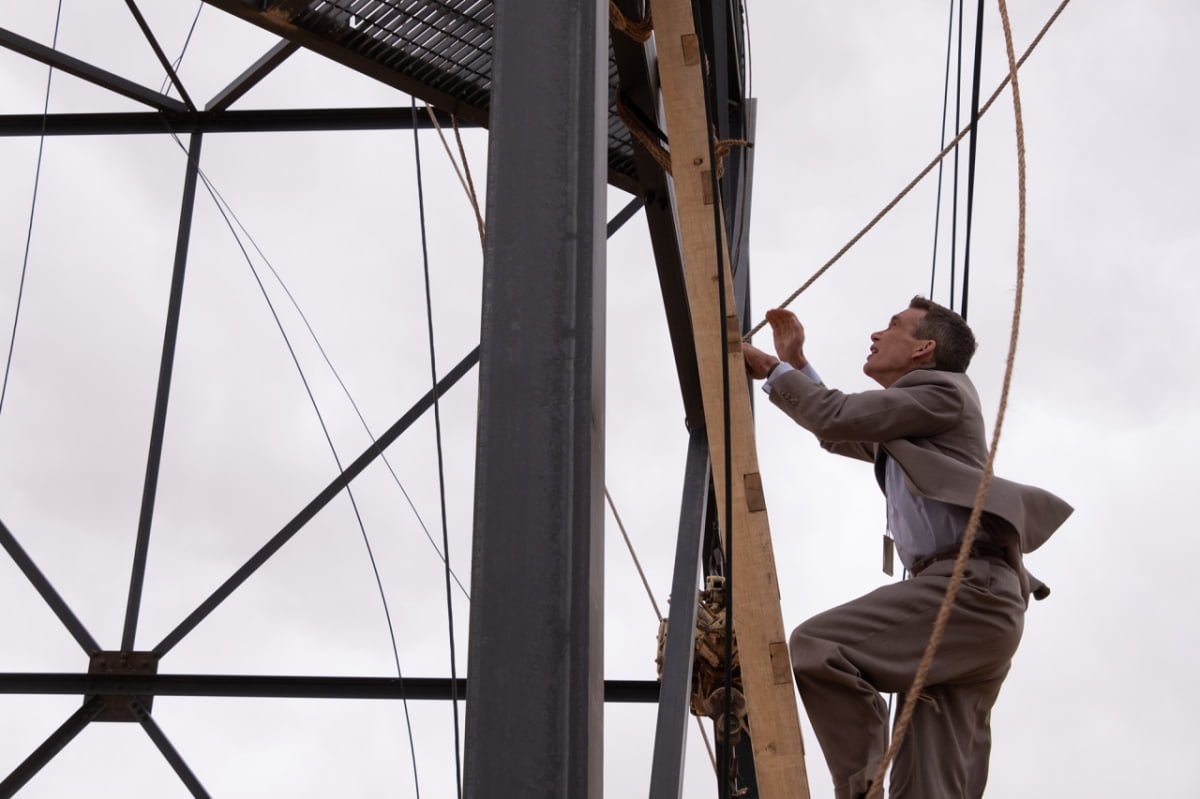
(850, 96)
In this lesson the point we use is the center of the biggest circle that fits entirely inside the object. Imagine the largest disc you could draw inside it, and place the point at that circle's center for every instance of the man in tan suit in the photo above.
(924, 433)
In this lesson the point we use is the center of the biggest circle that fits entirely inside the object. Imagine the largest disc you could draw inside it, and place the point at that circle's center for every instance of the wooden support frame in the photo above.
(762, 642)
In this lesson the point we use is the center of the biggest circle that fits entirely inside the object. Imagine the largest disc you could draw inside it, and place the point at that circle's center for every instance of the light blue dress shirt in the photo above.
(918, 525)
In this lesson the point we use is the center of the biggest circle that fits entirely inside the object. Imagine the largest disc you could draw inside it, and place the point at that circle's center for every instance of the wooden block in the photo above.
(781, 663)
(756, 501)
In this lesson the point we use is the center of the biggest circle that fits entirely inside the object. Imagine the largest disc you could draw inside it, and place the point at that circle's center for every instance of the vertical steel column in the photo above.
(534, 716)
(674, 702)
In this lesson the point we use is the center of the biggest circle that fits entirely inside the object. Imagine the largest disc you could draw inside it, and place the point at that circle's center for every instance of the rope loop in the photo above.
(638, 30)
(722, 148)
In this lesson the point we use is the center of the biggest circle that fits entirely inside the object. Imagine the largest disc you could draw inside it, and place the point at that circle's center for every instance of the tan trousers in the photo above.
(845, 657)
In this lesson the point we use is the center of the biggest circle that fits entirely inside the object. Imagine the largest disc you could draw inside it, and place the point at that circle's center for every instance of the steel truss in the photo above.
(122, 684)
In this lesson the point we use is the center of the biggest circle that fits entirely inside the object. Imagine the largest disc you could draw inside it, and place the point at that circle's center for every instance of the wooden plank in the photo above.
(762, 642)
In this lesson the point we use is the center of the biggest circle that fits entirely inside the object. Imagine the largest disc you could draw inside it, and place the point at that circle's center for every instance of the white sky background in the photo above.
(1098, 703)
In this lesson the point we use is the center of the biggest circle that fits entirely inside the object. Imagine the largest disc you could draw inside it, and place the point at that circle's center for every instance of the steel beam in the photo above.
(249, 79)
(373, 451)
(88, 72)
(166, 369)
(216, 121)
(256, 686)
(639, 81)
(674, 705)
(535, 667)
(168, 750)
(623, 216)
(47, 591)
(159, 54)
(58, 739)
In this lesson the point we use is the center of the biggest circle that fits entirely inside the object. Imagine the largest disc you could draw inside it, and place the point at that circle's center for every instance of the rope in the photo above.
(638, 30)
(945, 150)
(640, 132)
(466, 182)
(662, 622)
(633, 554)
(722, 148)
(464, 178)
(960, 563)
(468, 185)
(462, 152)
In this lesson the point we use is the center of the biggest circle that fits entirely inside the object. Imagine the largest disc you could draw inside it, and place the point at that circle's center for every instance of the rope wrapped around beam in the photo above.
(638, 30)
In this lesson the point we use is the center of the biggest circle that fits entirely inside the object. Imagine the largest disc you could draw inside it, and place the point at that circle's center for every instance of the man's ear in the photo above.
(925, 351)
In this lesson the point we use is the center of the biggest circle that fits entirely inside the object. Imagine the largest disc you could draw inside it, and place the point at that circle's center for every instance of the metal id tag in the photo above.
(889, 555)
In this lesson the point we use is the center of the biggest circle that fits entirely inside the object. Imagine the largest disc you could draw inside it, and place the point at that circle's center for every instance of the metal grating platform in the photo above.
(437, 50)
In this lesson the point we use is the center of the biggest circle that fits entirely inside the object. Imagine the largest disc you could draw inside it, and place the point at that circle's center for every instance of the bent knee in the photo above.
(808, 652)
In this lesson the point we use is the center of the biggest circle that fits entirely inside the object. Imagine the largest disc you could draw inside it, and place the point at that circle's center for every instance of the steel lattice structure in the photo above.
(459, 56)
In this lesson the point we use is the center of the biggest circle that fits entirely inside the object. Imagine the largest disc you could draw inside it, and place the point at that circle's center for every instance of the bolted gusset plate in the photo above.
(120, 707)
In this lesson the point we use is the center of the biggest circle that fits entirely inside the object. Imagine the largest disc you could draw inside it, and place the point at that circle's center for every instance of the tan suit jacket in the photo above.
(930, 423)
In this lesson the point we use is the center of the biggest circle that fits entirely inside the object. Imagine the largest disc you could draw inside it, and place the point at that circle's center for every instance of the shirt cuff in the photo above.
(783, 368)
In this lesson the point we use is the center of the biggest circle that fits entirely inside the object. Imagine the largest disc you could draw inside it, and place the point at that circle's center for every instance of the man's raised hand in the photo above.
(789, 336)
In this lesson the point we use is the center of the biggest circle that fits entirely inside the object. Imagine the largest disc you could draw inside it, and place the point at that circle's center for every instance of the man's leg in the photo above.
(946, 749)
(845, 657)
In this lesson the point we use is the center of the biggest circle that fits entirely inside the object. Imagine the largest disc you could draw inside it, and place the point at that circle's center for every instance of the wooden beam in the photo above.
(762, 642)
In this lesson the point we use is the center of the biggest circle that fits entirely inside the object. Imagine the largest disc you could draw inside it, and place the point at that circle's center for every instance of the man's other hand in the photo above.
(758, 363)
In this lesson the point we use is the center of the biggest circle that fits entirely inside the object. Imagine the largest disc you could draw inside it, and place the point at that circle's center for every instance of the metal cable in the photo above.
(332, 448)
(338, 377)
(955, 180)
(37, 174)
(920, 176)
(972, 151)
(162, 89)
(960, 564)
(937, 206)
(437, 427)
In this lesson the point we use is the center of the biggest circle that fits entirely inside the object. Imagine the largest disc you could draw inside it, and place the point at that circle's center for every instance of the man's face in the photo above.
(895, 350)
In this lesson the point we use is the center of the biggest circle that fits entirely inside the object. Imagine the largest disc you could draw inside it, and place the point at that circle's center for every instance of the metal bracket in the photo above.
(119, 707)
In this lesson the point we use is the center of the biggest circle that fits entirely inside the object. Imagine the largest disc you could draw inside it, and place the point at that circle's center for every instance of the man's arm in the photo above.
(913, 408)
(927, 405)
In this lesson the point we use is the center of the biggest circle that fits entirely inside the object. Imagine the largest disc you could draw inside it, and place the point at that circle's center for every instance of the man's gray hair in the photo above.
(949, 331)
